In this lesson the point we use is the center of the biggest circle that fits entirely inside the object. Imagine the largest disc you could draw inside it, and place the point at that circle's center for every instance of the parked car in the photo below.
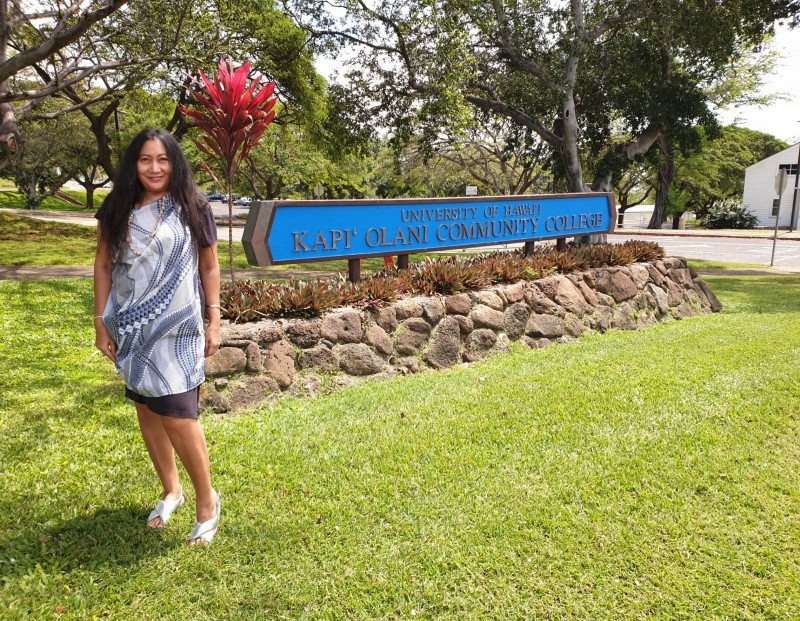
(243, 200)
(217, 197)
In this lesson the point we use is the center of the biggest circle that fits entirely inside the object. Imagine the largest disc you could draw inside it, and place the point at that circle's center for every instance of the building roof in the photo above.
(787, 156)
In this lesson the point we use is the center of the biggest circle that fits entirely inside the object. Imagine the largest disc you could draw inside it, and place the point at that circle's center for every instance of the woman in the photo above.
(155, 236)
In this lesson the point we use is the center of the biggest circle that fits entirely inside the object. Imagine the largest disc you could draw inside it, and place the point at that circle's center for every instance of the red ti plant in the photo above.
(232, 117)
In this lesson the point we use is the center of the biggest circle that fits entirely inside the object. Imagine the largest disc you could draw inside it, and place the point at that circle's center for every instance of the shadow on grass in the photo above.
(107, 536)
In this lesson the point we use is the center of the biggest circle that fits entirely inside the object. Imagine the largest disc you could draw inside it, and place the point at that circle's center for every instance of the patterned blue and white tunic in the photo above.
(154, 311)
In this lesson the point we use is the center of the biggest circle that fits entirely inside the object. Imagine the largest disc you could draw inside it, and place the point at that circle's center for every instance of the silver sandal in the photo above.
(165, 508)
(206, 530)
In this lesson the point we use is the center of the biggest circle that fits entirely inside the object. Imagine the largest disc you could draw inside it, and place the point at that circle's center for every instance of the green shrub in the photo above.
(729, 215)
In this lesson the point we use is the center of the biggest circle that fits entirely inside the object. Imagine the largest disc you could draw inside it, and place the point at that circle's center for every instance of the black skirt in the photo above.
(181, 405)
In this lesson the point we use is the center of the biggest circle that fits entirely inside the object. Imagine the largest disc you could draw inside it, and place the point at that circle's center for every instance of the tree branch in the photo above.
(632, 14)
(354, 39)
(59, 37)
(23, 17)
(625, 152)
(507, 45)
(515, 115)
(59, 83)
(24, 113)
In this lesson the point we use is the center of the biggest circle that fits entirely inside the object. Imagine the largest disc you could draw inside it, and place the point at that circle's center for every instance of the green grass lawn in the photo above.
(16, 200)
(28, 241)
(626, 476)
(705, 264)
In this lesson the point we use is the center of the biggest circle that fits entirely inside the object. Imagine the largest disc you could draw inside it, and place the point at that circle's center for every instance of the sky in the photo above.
(781, 118)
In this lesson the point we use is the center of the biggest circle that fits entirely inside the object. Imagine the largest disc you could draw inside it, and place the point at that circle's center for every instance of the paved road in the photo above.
(733, 250)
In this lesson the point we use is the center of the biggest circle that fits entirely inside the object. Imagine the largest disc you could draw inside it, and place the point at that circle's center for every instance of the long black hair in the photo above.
(128, 191)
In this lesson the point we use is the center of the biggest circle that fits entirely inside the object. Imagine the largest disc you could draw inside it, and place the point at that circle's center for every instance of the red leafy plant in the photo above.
(232, 117)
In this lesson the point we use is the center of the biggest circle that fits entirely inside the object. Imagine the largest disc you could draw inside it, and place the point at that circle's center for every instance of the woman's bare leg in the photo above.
(186, 435)
(162, 455)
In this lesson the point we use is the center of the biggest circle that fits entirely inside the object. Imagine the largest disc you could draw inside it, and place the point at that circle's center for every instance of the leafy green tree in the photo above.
(147, 47)
(282, 160)
(633, 185)
(91, 179)
(53, 152)
(566, 73)
(409, 171)
(715, 173)
(737, 83)
(492, 156)
(340, 178)
(495, 156)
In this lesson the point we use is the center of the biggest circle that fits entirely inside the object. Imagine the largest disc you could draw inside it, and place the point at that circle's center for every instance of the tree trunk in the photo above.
(230, 228)
(274, 192)
(573, 170)
(31, 198)
(97, 125)
(666, 172)
(9, 130)
(622, 154)
(89, 196)
(623, 205)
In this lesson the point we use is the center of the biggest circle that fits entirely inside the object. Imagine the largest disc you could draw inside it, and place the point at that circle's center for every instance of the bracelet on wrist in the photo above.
(213, 306)
(97, 317)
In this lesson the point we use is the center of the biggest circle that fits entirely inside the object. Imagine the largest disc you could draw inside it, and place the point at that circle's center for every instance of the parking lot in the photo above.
(220, 209)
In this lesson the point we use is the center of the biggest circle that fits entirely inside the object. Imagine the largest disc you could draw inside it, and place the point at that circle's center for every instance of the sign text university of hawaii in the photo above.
(281, 232)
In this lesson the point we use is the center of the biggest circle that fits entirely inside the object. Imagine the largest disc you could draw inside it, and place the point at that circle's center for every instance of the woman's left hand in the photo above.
(209, 278)
(212, 339)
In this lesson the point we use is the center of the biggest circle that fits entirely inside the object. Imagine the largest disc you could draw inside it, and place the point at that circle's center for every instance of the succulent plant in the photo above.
(251, 300)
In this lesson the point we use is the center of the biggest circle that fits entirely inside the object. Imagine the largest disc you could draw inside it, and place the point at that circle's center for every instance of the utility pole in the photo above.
(796, 187)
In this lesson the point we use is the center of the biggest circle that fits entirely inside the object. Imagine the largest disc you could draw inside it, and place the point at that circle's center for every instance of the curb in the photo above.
(787, 236)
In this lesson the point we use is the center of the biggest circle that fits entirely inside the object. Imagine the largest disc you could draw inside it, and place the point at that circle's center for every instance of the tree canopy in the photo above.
(579, 89)
(571, 73)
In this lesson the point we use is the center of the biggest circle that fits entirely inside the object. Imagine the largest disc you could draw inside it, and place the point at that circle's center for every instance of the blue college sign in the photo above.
(279, 232)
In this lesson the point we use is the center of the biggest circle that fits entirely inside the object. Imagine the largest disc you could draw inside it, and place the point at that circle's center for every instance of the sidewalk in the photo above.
(55, 272)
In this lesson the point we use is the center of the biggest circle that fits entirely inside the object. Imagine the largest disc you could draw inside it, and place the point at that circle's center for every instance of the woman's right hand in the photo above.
(103, 341)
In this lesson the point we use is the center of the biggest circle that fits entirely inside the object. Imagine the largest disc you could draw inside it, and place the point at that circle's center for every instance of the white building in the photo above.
(760, 196)
(637, 217)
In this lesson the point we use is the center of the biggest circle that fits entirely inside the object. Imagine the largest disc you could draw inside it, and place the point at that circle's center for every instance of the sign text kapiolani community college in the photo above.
(279, 232)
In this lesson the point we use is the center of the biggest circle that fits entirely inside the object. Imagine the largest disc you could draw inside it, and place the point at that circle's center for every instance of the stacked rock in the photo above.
(301, 356)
